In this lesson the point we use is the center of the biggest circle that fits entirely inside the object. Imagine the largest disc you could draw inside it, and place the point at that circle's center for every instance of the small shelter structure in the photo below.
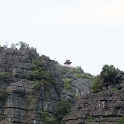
(68, 62)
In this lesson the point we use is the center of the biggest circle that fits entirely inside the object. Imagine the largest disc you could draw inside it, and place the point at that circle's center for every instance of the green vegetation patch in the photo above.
(4, 75)
(108, 75)
(63, 108)
(46, 118)
(3, 94)
(37, 85)
(67, 84)
(96, 85)
(43, 77)
(121, 121)
(112, 89)
(106, 78)
(37, 70)
(89, 119)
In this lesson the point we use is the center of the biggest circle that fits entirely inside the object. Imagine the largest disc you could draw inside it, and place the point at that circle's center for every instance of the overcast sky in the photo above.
(88, 32)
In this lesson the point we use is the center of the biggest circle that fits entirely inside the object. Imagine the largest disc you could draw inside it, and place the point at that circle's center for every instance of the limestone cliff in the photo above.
(25, 95)
(105, 107)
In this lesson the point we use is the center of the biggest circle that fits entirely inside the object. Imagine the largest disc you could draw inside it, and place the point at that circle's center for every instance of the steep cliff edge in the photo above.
(105, 107)
(101, 107)
(31, 86)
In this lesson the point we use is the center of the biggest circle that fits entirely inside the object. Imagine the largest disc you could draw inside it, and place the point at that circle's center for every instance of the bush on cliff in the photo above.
(37, 70)
(108, 75)
(4, 75)
(97, 85)
(121, 121)
(22, 45)
(63, 108)
(67, 84)
(106, 78)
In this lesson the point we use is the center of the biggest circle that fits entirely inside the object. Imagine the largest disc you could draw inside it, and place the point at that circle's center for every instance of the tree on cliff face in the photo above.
(97, 84)
(106, 78)
(108, 75)
(63, 108)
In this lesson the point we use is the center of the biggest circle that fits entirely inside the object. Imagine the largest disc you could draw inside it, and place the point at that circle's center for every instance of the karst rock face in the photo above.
(20, 103)
(105, 107)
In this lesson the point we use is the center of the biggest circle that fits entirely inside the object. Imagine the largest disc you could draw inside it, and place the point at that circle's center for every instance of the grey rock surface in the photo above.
(81, 86)
(105, 107)
(23, 104)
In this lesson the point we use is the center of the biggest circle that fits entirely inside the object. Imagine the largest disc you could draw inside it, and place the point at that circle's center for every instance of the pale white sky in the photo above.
(88, 32)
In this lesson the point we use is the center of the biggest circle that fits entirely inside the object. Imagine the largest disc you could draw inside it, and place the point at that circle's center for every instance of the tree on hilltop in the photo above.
(108, 75)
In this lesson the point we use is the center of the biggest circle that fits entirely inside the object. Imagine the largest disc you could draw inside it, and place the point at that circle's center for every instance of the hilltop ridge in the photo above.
(33, 87)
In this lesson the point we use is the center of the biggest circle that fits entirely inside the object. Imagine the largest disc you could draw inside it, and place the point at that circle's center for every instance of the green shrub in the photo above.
(78, 75)
(46, 118)
(121, 121)
(112, 89)
(76, 71)
(22, 45)
(89, 118)
(37, 70)
(1, 47)
(37, 85)
(2, 117)
(96, 85)
(76, 96)
(64, 70)
(79, 70)
(3, 94)
(57, 89)
(108, 75)
(34, 49)
(4, 75)
(67, 84)
(43, 77)
(63, 108)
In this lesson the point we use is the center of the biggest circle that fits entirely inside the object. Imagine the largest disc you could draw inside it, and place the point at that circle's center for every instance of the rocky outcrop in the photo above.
(20, 101)
(105, 107)
(81, 86)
